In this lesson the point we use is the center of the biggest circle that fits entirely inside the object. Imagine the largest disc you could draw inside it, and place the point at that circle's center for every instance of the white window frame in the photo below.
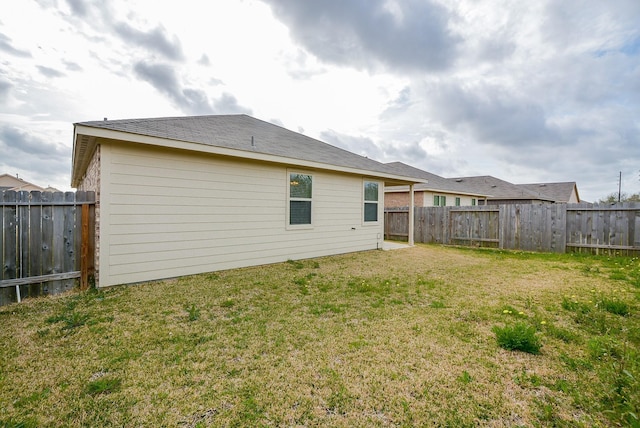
(377, 202)
(290, 226)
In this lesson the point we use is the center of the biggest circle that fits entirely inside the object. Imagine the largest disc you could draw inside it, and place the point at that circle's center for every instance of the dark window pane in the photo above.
(370, 212)
(300, 212)
(370, 191)
(300, 186)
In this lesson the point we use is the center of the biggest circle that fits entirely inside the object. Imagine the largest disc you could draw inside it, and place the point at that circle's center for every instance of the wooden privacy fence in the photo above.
(560, 228)
(46, 242)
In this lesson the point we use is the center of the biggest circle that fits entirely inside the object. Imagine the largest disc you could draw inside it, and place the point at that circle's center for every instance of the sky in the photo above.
(528, 92)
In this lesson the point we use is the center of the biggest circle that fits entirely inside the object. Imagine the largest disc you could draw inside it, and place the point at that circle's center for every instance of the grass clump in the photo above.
(70, 321)
(104, 385)
(18, 423)
(518, 337)
(193, 313)
(614, 306)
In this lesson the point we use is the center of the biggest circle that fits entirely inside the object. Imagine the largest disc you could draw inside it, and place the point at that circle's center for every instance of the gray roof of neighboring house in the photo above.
(559, 192)
(242, 132)
(491, 187)
(500, 189)
(434, 182)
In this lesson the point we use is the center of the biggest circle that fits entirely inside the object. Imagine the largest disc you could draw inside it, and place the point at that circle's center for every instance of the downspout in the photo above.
(411, 204)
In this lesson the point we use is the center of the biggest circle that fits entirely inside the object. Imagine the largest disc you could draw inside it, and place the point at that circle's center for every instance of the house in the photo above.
(479, 190)
(184, 195)
(9, 182)
(566, 192)
(437, 191)
(503, 192)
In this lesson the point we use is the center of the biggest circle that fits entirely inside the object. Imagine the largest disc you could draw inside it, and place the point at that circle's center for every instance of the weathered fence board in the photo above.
(614, 229)
(393, 224)
(40, 238)
(611, 229)
(469, 227)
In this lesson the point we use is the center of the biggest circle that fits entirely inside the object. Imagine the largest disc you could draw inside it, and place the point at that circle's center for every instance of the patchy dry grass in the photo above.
(400, 338)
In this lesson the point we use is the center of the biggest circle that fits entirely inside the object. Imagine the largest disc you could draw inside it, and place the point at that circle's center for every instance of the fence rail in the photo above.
(613, 229)
(46, 242)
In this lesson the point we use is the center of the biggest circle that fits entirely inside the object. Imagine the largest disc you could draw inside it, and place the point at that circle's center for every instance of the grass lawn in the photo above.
(380, 338)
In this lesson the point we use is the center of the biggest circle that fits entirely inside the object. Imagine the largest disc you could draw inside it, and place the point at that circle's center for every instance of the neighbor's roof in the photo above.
(559, 192)
(500, 189)
(9, 182)
(233, 135)
(434, 182)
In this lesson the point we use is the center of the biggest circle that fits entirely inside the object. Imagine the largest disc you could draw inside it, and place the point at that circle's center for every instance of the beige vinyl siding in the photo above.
(170, 213)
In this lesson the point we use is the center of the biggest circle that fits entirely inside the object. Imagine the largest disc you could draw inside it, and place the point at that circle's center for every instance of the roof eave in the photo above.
(435, 189)
(86, 136)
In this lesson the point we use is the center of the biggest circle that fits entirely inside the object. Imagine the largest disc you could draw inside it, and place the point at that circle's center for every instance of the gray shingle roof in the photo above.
(559, 192)
(499, 189)
(493, 188)
(239, 132)
(434, 182)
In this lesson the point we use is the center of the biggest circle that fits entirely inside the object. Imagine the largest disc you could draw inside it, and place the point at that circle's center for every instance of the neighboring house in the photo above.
(185, 195)
(480, 190)
(503, 192)
(9, 182)
(560, 192)
(437, 191)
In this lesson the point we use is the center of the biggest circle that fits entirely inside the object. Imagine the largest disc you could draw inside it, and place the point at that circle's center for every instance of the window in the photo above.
(457, 202)
(300, 193)
(473, 201)
(439, 201)
(370, 201)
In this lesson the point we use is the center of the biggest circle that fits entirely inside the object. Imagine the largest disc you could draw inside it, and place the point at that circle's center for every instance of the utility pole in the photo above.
(619, 186)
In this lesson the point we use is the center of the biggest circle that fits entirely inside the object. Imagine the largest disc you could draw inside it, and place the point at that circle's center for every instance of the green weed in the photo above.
(297, 264)
(70, 321)
(465, 377)
(228, 303)
(33, 398)
(518, 337)
(614, 306)
(103, 385)
(193, 313)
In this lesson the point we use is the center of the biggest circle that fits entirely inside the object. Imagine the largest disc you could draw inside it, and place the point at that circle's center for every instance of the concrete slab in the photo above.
(394, 245)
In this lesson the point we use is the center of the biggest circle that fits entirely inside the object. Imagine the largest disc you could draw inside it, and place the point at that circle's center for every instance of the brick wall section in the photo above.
(91, 181)
(401, 199)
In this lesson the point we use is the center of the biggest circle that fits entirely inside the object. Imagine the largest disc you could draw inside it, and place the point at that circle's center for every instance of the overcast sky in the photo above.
(539, 91)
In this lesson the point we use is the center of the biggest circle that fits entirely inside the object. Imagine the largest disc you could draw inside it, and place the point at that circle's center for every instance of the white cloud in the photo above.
(527, 92)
